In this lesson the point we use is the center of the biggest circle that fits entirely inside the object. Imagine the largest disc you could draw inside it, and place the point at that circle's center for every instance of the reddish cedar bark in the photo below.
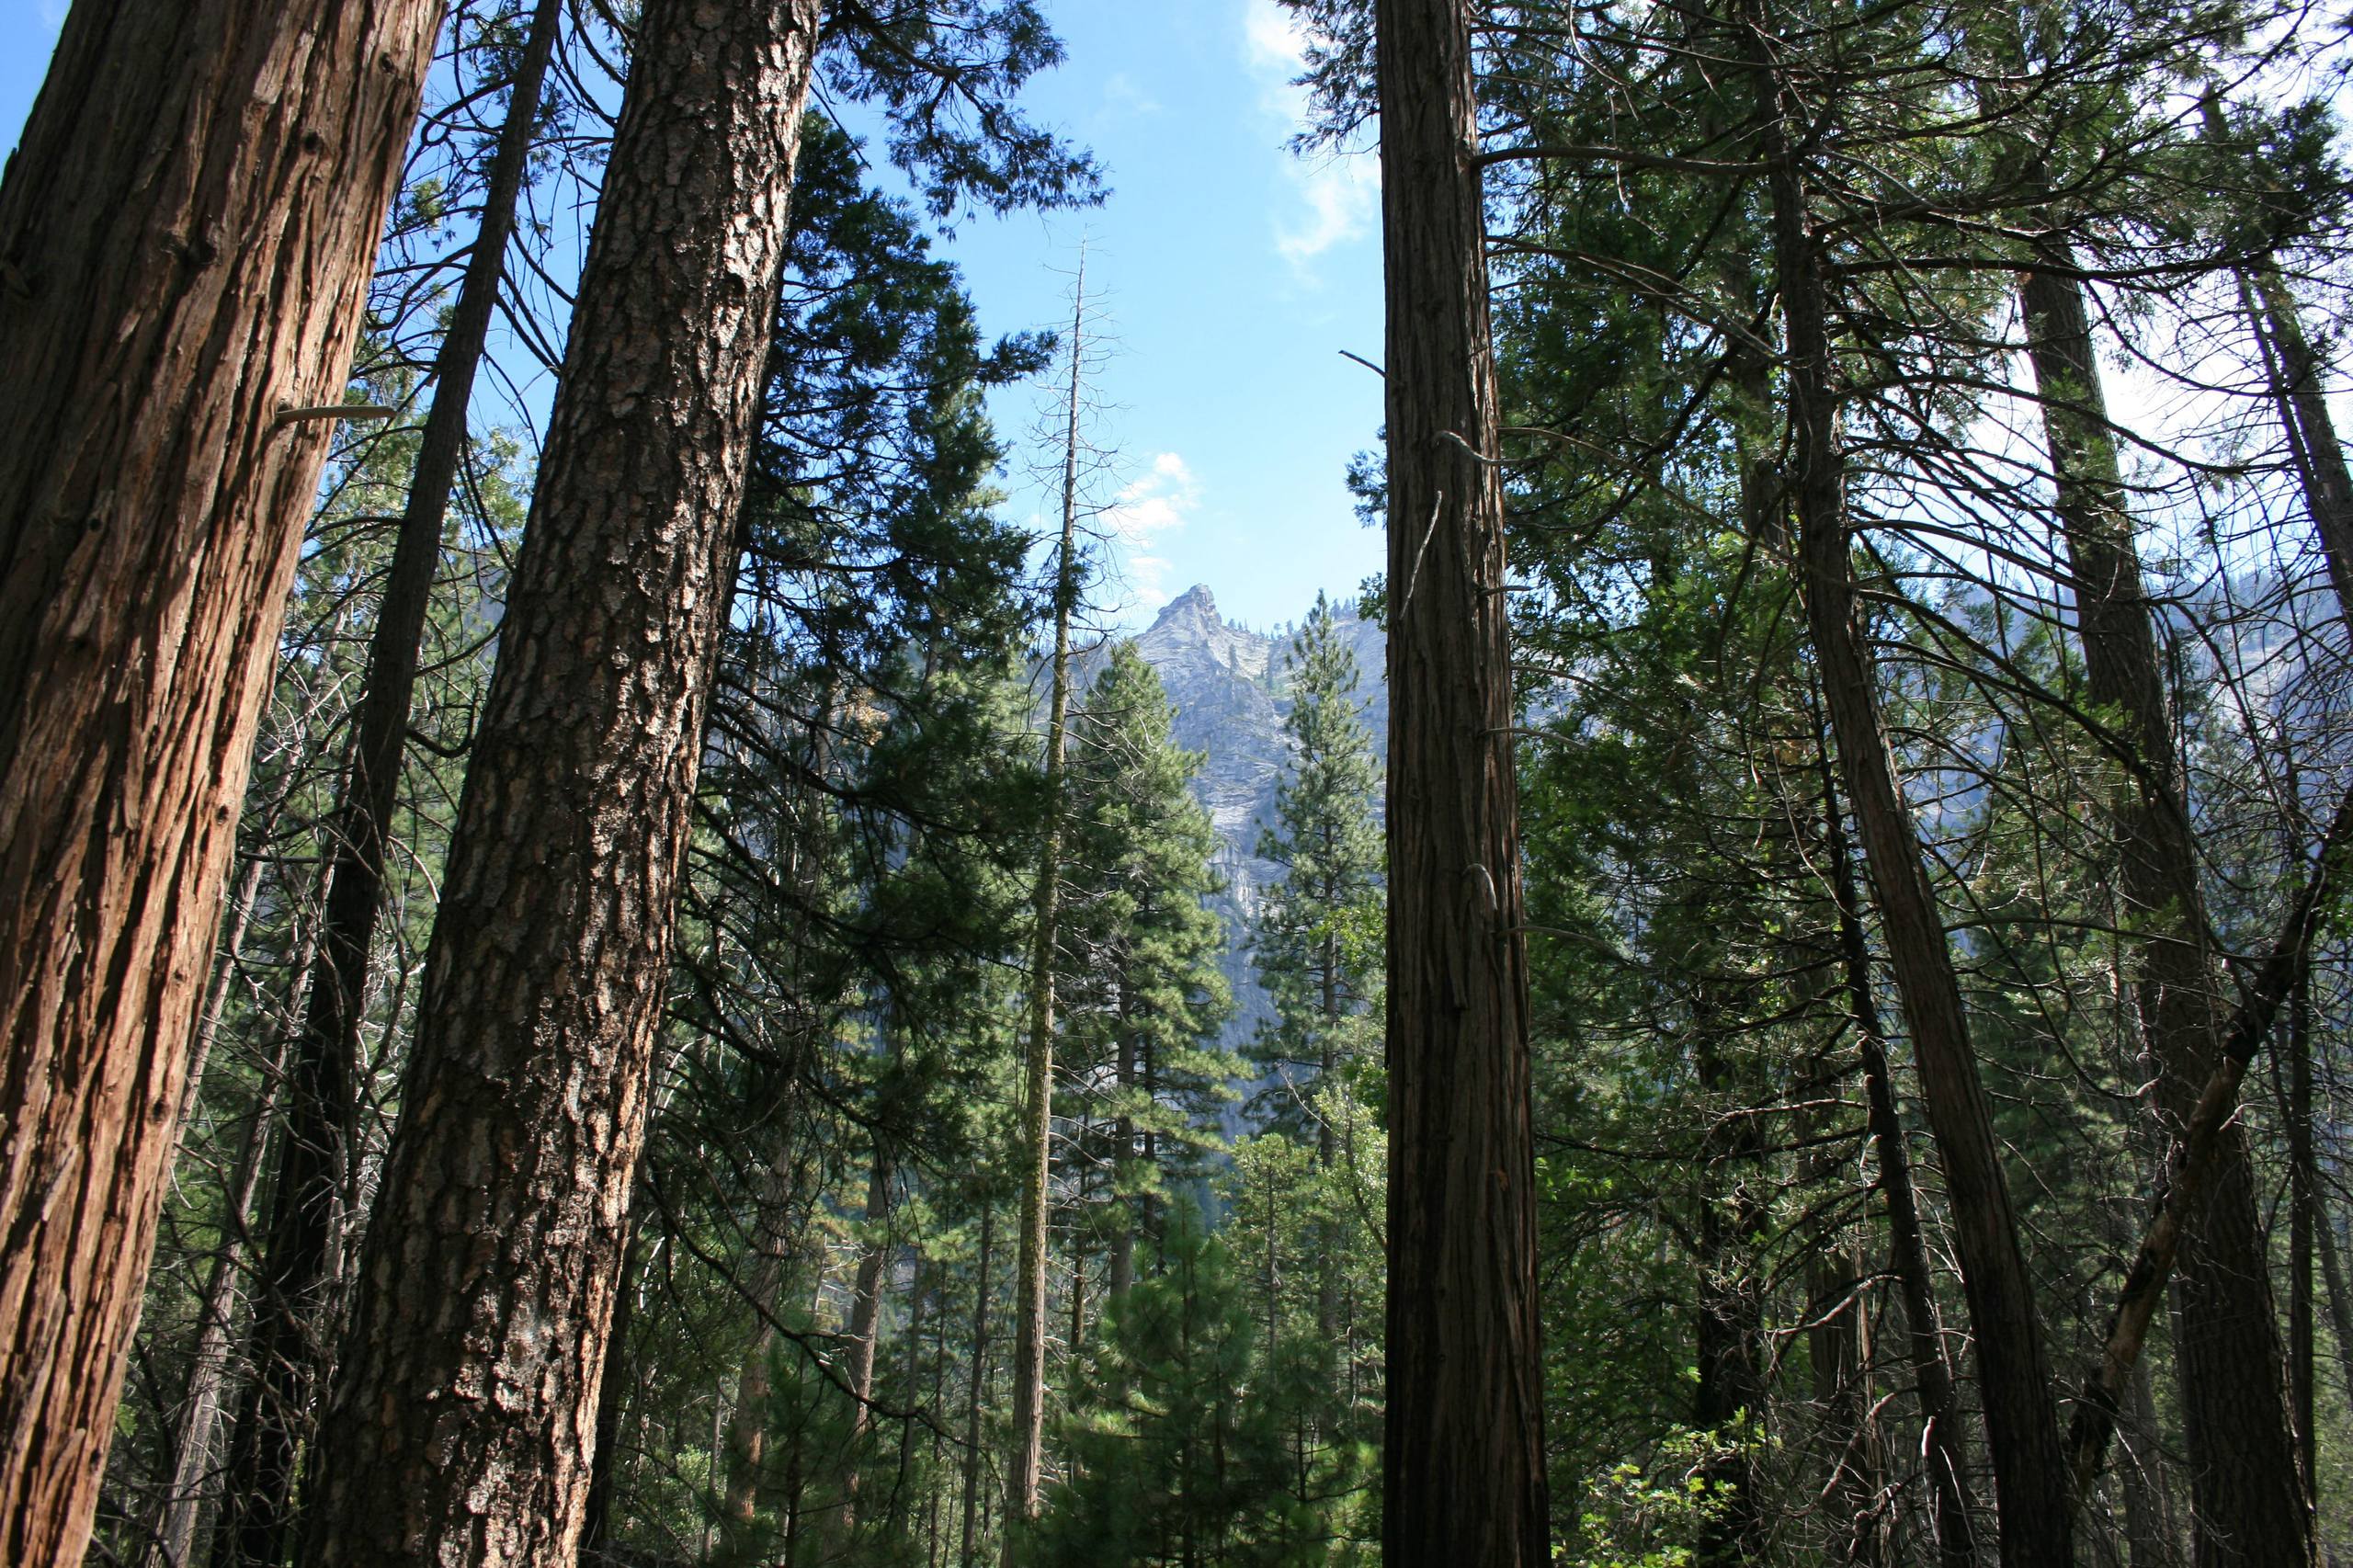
(1463, 1463)
(462, 1417)
(186, 229)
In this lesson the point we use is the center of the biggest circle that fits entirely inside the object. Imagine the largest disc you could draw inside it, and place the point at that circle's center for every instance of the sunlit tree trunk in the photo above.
(293, 1303)
(492, 1260)
(186, 229)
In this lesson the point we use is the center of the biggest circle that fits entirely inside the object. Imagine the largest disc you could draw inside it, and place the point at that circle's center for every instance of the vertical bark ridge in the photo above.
(1463, 1464)
(461, 1422)
(185, 228)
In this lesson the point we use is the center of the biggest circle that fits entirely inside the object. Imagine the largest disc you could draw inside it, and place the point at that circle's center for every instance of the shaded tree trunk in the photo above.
(745, 1441)
(2247, 1504)
(2292, 372)
(972, 1455)
(2014, 1376)
(1729, 1399)
(2195, 1157)
(1840, 1351)
(1463, 1473)
(186, 229)
(212, 1365)
(1038, 1071)
(1121, 1267)
(294, 1305)
(865, 1320)
(613, 1403)
(2152, 1536)
(492, 1258)
(1941, 1445)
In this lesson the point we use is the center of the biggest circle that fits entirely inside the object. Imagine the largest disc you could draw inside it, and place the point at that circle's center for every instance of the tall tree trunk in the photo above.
(972, 1457)
(612, 1402)
(2247, 1504)
(1941, 1446)
(1038, 1071)
(2292, 374)
(1839, 1347)
(185, 228)
(1327, 1144)
(2303, 1209)
(293, 1309)
(2014, 1376)
(1121, 1268)
(2340, 1300)
(916, 1304)
(1729, 1398)
(1463, 1463)
(2196, 1156)
(865, 1320)
(211, 1363)
(491, 1265)
(745, 1439)
(2152, 1536)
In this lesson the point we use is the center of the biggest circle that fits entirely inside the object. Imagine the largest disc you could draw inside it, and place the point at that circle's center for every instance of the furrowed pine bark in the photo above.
(1463, 1463)
(2247, 1504)
(1038, 1071)
(2014, 1376)
(186, 229)
(462, 1418)
(293, 1303)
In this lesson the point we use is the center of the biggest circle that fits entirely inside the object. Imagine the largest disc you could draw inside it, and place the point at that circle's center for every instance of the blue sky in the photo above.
(1232, 273)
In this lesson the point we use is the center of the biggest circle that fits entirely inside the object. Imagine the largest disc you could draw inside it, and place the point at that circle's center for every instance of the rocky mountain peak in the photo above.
(1229, 690)
(1189, 631)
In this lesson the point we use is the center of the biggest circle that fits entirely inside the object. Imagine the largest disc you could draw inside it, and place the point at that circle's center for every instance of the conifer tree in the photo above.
(1144, 992)
(1179, 1445)
(1317, 938)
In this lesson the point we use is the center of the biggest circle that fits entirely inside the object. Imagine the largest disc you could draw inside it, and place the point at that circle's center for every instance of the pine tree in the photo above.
(1317, 938)
(574, 821)
(1144, 992)
(1179, 1449)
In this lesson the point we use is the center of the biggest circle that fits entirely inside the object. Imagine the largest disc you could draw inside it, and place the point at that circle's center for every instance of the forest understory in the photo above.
(635, 973)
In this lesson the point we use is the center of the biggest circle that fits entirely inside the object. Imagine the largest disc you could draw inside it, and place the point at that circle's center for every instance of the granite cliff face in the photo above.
(1231, 691)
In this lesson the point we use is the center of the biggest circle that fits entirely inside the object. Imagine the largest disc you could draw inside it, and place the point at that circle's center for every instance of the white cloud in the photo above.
(1124, 96)
(1337, 193)
(1156, 503)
